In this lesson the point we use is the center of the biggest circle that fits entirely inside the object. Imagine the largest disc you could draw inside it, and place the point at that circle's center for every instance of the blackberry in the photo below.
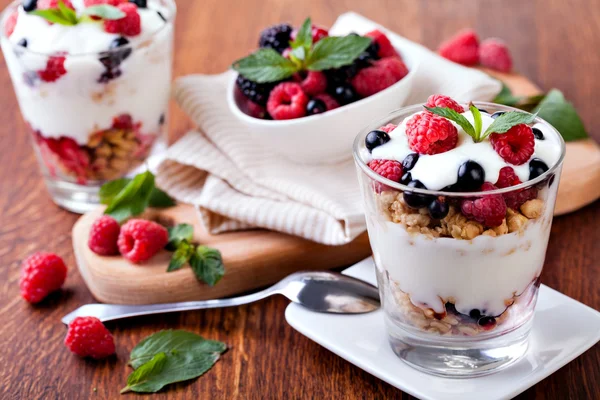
(345, 94)
(337, 76)
(257, 92)
(277, 37)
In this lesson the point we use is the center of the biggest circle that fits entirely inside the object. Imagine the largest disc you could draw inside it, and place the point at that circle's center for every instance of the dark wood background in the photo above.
(554, 42)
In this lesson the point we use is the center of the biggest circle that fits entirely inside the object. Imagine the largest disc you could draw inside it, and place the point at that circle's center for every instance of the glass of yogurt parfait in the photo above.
(459, 216)
(92, 78)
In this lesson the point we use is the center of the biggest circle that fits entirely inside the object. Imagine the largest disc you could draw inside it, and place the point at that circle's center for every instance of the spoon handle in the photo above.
(109, 312)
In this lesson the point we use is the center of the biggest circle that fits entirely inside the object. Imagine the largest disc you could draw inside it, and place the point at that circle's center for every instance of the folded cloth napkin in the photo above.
(236, 184)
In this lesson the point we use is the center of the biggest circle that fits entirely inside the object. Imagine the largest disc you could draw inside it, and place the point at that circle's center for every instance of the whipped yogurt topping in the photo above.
(440, 170)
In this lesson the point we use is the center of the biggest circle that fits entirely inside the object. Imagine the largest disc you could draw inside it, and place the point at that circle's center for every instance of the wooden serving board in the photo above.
(257, 258)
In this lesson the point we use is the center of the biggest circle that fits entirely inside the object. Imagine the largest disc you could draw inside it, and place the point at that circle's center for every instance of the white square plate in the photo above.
(562, 330)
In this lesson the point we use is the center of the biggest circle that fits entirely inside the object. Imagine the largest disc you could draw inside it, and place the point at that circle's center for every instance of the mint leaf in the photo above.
(477, 120)
(456, 117)
(133, 198)
(143, 379)
(303, 37)
(104, 11)
(265, 65)
(181, 256)
(335, 51)
(506, 97)
(178, 234)
(561, 114)
(111, 189)
(159, 199)
(54, 15)
(207, 264)
(69, 13)
(507, 120)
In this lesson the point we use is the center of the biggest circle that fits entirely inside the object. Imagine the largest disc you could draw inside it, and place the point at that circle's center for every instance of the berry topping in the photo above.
(247, 106)
(381, 75)
(287, 101)
(90, 3)
(104, 235)
(516, 145)
(22, 42)
(317, 32)
(257, 92)
(416, 200)
(515, 199)
(430, 134)
(29, 5)
(494, 54)
(385, 47)
(113, 58)
(497, 114)
(88, 337)
(507, 178)
(140, 239)
(345, 94)
(41, 274)
(438, 209)
(130, 25)
(406, 178)
(314, 83)
(47, 4)
(487, 323)
(139, 3)
(375, 139)
(330, 102)
(389, 169)
(536, 168)
(537, 133)
(439, 100)
(315, 106)
(388, 128)
(10, 23)
(276, 37)
(462, 48)
(410, 161)
(55, 68)
(489, 210)
(470, 177)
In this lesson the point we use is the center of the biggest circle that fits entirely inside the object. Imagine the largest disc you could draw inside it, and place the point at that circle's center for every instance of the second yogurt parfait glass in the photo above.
(93, 94)
(458, 283)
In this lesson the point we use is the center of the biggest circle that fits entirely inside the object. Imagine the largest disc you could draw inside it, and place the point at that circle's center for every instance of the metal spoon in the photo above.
(327, 292)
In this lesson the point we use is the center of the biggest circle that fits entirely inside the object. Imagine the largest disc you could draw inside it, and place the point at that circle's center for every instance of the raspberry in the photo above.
(115, 3)
(515, 199)
(276, 37)
(88, 337)
(489, 210)
(494, 54)
(55, 68)
(439, 100)
(129, 25)
(388, 128)
(122, 121)
(287, 101)
(41, 274)
(430, 134)
(386, 49)
(384, 73)
(140, 239)
(329, 101)
(389, 169)
(515, 146)
(11, 22)
(462, 48)
(317, 32)
(104, 235)
(314, 83)
(46, 4)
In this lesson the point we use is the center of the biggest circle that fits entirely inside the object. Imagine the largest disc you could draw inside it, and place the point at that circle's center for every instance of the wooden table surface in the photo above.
(555, 42)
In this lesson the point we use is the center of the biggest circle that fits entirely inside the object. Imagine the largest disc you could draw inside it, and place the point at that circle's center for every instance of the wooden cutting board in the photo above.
(257, 258)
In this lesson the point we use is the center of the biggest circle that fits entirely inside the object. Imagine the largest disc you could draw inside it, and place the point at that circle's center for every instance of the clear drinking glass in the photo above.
(102, 118)
(458, 300)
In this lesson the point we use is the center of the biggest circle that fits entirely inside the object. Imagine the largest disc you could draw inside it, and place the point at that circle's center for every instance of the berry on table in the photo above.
(345, 94)
(140, 239)
(431, 134)
(257, 92)
(381, 75)
(375, 139)
(536, 168)
(88, 337)
(462, 48)
(389, 169)
(385, 47)
(130, 25)
(41, 274)
(287, 101)
(410, 161)
(330, 102)
(439, 100)
(276, 37)
(104, 234)
(315, 106)
(490, 210)
(416, 200)
(494, 54)
(470, 176)
(537, 133)
(515, 146)
(314, 83)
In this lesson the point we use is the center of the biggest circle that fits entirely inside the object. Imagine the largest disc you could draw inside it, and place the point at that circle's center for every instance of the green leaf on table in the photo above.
(111, 189)
(336, 51)
(561, 114)
(506, 97)
(455, 117)
(144, 379)
(181, 256)
(133, 199)
(303, 38)
(104, 11)
(159, 199)
(476, 120)
(507, 120)
(207, 264)
(265, 65)
(178, 234)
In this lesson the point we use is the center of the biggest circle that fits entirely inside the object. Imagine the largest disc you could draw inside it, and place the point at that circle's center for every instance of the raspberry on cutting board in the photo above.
(462, 48)
(494, 54)
(88, 337)
(104, 235)
(41, 274)
(141, 239)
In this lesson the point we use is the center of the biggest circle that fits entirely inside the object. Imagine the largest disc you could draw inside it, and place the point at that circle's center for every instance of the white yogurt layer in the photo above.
(77, 105)
(440, 170)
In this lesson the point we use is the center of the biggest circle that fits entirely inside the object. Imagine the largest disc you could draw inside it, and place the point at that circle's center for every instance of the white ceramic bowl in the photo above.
(325, 138)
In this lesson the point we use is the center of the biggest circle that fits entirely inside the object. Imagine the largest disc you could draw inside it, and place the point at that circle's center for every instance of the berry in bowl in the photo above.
(92, 78)
(459, 202)
(303, 92)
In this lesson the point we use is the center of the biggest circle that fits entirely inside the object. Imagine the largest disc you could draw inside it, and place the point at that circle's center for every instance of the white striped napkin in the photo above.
(236, 184)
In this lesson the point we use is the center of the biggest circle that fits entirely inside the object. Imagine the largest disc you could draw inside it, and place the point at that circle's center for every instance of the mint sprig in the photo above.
(507, 120)
(267, 65)
(207, 264)
(477, 122)
(455, 117)
(170, 356)
(64, 15)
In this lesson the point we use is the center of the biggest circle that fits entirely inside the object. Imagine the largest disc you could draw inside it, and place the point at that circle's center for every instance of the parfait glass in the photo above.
(458, 299)
(101, 116)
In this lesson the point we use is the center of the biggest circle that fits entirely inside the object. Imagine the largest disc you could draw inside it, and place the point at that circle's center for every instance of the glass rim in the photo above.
(131, 46)
(404, 188)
